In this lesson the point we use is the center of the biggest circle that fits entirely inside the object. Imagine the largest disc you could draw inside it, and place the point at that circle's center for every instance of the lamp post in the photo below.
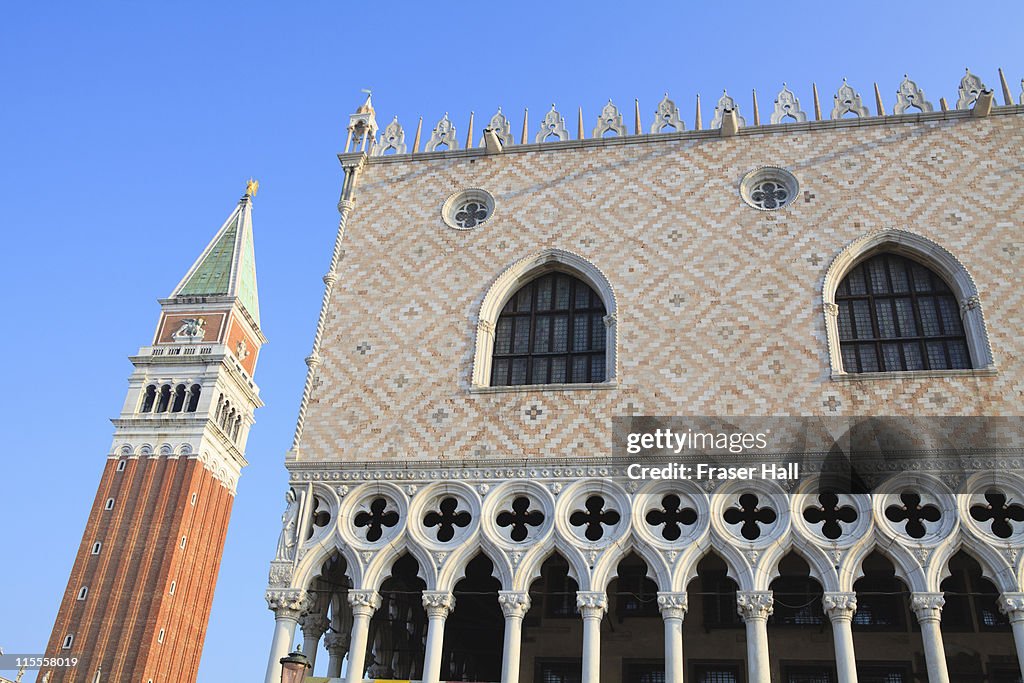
(293, 667)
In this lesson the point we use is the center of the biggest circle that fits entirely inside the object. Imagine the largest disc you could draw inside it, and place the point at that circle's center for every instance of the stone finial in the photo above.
(787, 105)
(667, 116)
(393, 137)
(697, 124)
(847, 100)
(726, 104)
(443, 134)
(553, 124)
(469, 134)
(579, 124)
(610, 119)
(502, 128)
(419, 133)
(817, 102)
(970, 89)
(910, 95)
(879, 107)
(637, 128)
(1022, 91)
(1007, 97)
(757, 111)
(362, 126)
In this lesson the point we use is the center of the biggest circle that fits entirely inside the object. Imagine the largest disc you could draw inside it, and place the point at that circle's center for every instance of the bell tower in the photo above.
(138, 600)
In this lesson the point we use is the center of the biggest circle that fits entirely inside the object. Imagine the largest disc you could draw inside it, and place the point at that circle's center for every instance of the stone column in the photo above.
(515, 605)
(287, 606)
(364, 603)
(755, 607)
(673, 609)
(592, 606)
(840, 608)
(313, 626)
(438, 604)
(1012, 605)
(336, 645)
(928, 608)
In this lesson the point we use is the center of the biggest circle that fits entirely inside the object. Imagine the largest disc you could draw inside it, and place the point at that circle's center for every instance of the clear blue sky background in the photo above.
(127, 131)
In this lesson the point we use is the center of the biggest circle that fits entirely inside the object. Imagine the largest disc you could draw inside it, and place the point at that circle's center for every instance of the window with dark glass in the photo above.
(637, 594)
(719, 598)
(559, 671)
(808, 674)
(551, 331)
(881, 597)
(896, 314)
(717, 672)
(884, 673)
(797, 602)
(1007, 674)
(643, 671)
(560, 589)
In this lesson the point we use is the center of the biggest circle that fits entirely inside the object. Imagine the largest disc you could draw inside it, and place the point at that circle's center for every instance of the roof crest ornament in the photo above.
(667, 115)
(610, 119)
(787, 105)
(847, 101)
(251, 187)
(970, 89)
(725, 105)
(501, 127)
(393, 137)
(910, 95)
(553, 124)
(443, 134)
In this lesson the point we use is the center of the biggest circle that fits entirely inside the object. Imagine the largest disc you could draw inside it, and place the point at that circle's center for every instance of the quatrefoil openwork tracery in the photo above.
(913, 513)
(671, 515)
(750, 515)
(831, 515)
(594, 518)
(520, 518)
(447, 518)
(999, 513)
(376, 519)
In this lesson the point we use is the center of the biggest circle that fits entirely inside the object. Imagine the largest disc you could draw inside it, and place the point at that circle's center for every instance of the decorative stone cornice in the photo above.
(514, 603)
(363, 602)
(840, 606)
(592, 604)
(755, 605)
(1012, 605)
(672, 605)
(438, 603)
(288, 604)
(927, 606)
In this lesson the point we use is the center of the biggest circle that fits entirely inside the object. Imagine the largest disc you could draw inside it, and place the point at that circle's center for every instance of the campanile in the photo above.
(138, 600)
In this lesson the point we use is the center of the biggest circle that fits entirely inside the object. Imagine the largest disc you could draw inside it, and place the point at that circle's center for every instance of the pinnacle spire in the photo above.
(227, 266)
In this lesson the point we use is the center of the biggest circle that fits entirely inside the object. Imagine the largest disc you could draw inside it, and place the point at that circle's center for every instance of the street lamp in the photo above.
(293, 667)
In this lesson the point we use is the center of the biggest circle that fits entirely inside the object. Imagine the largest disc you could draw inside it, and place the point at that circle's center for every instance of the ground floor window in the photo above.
(643, 671)
(804, 673)
(717, 672)
(559, 671)
(884, 673)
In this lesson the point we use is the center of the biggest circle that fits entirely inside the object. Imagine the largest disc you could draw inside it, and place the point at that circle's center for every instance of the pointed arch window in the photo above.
(895, 314)
(551, 331)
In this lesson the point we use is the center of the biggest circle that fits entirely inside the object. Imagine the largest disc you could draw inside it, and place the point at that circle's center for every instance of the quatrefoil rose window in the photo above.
(468, 209)
(769, 188)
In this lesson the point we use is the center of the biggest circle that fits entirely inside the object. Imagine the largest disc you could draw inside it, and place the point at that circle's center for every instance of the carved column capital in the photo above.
(336, 643)
(592, 604)
(927, 606)
(438, 603)
(1012, 605)
(839, 606)
(288, 603)
(363, 602)
(314, 625)
(345, 206)
(672, 605)
(755, 605)
(514, 603)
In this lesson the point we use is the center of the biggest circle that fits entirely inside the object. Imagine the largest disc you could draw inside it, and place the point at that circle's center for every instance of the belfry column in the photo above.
(840, 608)
(1012, 605)
(515, 605)
(438, 604)
(755, 607)
(287, 606)
(592, 606)
(364, 603)
(673, 609)
(928, 608)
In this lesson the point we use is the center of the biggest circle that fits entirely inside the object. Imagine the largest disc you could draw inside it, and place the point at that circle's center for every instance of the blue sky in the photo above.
(129, 129)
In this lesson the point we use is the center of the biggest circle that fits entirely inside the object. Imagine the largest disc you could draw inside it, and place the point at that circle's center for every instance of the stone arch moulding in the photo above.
(929, 253)
(520, 273)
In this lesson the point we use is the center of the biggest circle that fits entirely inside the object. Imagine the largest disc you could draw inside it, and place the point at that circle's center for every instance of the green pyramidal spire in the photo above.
(227, 267)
